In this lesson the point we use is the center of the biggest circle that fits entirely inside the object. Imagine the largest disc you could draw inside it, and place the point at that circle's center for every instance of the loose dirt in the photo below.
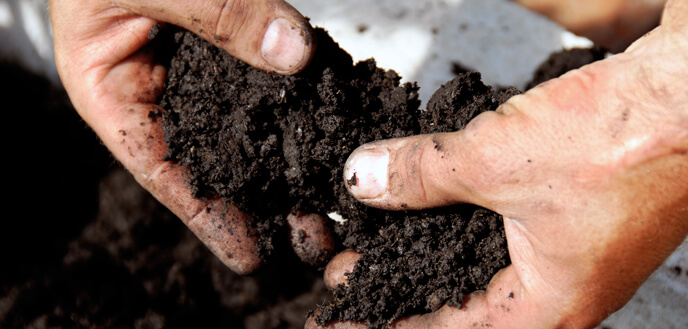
(277, 144)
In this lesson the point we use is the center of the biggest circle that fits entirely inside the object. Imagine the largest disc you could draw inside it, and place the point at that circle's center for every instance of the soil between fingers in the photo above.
(274, 145)
(100, 252)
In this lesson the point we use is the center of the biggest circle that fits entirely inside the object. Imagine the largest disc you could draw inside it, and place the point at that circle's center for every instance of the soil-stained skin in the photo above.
(311, 238)
(275, 145)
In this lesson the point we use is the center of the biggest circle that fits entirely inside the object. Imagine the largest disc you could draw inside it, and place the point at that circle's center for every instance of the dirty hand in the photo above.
(114, 83)
(590, 172)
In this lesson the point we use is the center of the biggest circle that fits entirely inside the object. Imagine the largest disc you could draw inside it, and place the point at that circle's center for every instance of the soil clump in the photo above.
(277, 144)
(100, 252)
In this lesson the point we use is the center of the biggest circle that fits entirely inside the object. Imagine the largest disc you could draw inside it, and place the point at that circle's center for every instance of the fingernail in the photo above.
(284, 44)
(365, 173)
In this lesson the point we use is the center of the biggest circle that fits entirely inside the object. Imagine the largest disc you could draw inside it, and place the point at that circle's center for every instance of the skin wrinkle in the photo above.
(110, 75)
(105, 69)
(224, 23)
(593, 189)
(660, 90)
(415, 172)
(185, 207)
(523, 254)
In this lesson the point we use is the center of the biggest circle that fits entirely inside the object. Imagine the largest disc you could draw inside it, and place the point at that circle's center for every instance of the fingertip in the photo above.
(337, 269)
(269, 35)
(228, 233)
(311, 238)
(287, 45)
(366, 171)
(387, 173)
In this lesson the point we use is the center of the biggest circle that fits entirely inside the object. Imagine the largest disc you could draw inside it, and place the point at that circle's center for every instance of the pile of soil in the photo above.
(92, 249)
(276, 144)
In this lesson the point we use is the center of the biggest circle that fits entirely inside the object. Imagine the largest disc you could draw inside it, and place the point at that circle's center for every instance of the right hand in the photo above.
(113, 82)
(590, 172)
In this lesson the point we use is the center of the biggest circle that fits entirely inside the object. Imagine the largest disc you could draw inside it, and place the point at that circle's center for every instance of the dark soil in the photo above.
(273, 144)
(84, 246)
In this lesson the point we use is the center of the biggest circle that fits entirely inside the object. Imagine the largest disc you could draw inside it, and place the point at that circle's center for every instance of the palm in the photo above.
(114, 84)
(589, 184)
(578, 224)
(108, 69)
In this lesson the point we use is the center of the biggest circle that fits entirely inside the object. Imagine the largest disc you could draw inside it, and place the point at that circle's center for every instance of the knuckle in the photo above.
(234, 16)
(488, 153)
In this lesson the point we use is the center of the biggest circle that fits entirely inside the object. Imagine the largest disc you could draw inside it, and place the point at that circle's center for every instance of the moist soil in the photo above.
(92, 249)
(85, 246)
(276, 144)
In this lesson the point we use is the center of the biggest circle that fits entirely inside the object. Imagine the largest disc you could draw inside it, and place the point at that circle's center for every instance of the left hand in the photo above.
(114, 82)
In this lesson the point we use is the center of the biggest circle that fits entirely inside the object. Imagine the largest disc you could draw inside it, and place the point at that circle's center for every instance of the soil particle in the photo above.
(352, 181)
(417, 262)
(277, 144)
(154, 31)
(121, 260)
(677, 270)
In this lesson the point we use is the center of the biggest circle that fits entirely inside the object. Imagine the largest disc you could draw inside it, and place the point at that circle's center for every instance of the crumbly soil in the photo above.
(88, 248)
(273, 144)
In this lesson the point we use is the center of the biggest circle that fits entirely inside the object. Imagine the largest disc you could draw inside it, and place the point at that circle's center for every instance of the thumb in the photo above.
(267, 34)
(426, 170)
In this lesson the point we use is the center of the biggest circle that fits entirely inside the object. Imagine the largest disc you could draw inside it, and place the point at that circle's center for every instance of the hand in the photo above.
(114, 83)
(589, 170)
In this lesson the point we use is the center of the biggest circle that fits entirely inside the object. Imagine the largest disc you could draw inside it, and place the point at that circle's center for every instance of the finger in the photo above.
(311, 238)
(222, 227)
(267, 34)
(337, 269)
(138, 143)
(429, 170)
